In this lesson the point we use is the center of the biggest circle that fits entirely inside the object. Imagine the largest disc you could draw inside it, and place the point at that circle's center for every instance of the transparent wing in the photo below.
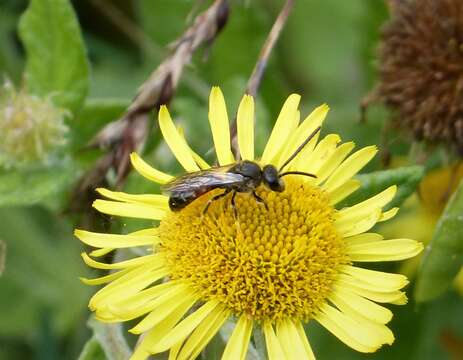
(202, 181)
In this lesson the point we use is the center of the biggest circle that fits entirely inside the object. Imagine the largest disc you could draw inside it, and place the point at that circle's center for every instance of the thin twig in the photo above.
(129, 133)
(262, 61)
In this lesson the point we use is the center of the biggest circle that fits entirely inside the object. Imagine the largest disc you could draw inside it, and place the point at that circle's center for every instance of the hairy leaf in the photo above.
(57, 63)
(444, 255)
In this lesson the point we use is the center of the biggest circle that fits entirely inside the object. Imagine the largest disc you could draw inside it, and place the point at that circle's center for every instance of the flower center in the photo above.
(270, 264)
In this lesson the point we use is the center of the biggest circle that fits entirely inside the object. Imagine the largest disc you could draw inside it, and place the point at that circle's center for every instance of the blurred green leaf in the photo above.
(444, 255)
(2, 256)
(56, 57)
(36, 185)
(111, 339)
(92, 350)
(406, 178)
(43, 266)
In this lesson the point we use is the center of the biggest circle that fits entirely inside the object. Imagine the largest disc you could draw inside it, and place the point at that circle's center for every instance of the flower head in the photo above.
(279, 265)
(421, 69)
(31, 128)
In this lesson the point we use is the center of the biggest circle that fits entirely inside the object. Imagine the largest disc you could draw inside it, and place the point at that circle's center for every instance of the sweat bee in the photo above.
(241, 177)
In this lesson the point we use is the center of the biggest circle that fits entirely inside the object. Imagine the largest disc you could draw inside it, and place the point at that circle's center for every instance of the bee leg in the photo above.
(216, 197)
(233, 204)
(260, 200)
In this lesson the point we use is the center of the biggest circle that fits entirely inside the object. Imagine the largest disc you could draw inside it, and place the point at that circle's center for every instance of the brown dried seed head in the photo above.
(421, 69)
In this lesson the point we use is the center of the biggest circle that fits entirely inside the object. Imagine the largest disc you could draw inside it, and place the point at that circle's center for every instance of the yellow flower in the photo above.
(277, 268)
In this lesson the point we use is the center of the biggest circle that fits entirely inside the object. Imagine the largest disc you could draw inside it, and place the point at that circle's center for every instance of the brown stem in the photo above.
(129, 132)
(259, 68)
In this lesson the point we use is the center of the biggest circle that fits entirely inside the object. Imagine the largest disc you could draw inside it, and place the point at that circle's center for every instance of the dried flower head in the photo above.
(31, 128)
(421, 69)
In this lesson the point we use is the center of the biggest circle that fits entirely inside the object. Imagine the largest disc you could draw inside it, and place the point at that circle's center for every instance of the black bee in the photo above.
(242, 177)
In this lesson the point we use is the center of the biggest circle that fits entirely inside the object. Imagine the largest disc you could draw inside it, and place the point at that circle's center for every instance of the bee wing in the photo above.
(202, 181)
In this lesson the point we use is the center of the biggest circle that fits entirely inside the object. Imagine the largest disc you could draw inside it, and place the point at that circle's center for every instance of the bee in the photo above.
(242, 177)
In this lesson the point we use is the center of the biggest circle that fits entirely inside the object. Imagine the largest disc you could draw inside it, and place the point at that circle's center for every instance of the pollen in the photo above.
(269, 264)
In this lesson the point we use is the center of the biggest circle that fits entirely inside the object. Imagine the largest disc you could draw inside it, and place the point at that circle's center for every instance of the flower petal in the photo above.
(286, 123)
(394, 297)
(305, 341)
(389, 280)
(140, 211)
(155, 200)
(348, 331)
(344, 191)
(184, 328)
(362, 209)
(350, 228)
(363, 238)
(176, 142)
(180, 297)
(274, 349)
(308, 126)
(385, 250)
(122, 264)
(198, 159)
(237, 345)
(332, 163)
(148, 171)
(291, 342)
(203, 334)
(350, 167)
(388, 214)
(245, 126)
(113, 240)
(320, 154)
(346, 299)
(218, 120)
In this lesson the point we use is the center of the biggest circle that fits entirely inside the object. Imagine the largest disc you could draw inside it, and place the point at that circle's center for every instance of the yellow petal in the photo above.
(140, 211)
(363, 238)
(104, 279)
(322, 151)
(394, 297)
(245, 126)
(203, 334)
(286, 123)
(198, 159)
(350, 228)
(307, 127)
(237, 345)
(218, 120)
(347, 330)
(388, 214)
(158, 332)
(388, 280)
(181, 331)
(344, 191)
(291, 341)
(350, 167)
(362, 209)
(274, 349)
(114, 240)
(305, 341)
(155, 200)
(147, 171)
(386, 250)
(101, 252)
(177, 143)
(332, 163)
(122, 264)
(346, 300)
(180, 297)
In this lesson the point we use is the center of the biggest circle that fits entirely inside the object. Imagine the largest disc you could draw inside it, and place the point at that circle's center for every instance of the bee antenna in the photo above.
(298, 150)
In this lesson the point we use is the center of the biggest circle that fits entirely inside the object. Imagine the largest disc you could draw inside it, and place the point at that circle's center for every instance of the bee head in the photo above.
(272, 179)
(177, 203)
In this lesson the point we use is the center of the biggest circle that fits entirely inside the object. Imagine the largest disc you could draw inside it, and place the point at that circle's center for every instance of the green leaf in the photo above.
(111, 339)
(406, 178)
(444, 255)
(36, 185)
(42, 271)
(56, 57)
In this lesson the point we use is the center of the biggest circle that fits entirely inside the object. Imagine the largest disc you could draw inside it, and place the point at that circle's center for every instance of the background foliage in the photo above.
(93, 55)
